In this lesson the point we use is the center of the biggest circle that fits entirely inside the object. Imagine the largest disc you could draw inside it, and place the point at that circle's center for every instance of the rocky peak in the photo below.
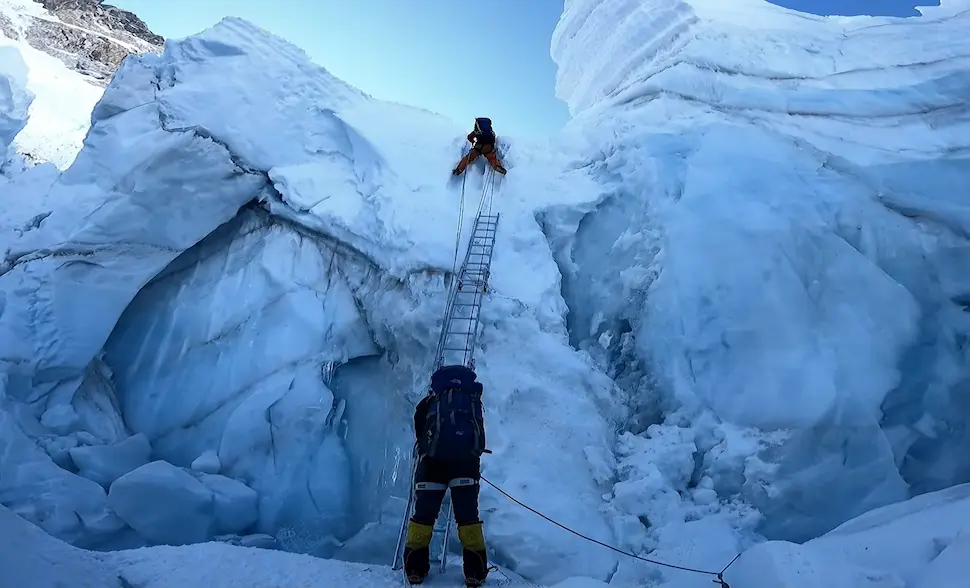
(87, 35)
(101, 17)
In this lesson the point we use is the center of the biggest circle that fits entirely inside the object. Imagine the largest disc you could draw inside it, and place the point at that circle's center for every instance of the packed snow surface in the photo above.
(726, 305)
(920, 543)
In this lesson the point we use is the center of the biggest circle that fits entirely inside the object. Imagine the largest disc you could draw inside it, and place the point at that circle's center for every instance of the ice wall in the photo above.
(14, 97)
(78, 249)
(783, 211)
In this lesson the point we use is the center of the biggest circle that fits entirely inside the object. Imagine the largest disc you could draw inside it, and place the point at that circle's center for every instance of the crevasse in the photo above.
(735, 280)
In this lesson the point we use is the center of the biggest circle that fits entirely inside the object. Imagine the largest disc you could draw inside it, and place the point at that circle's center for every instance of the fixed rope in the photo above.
(719, 576)
(461, 216)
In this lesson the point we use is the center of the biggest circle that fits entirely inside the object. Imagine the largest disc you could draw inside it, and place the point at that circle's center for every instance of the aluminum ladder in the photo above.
(456, 346)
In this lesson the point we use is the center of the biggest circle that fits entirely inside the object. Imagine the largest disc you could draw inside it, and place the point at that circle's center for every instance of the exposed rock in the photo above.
(103, 18)
(88, 36)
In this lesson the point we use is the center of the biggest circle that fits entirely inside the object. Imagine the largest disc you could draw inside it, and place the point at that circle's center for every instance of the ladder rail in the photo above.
(399, 549)
(477, 285)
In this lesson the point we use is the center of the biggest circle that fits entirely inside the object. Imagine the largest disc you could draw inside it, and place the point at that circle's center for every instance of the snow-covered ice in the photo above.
(106, 463)
(57, 125)
(14, 96)
(170, 505)
(727, 305)
(782, 206)
(164, 504)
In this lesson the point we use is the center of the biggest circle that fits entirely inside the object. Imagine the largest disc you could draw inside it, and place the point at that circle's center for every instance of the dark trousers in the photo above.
(432, 479)
(464, 498)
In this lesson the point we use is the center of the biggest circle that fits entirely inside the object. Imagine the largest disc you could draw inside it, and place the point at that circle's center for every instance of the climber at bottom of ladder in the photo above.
(450, 429)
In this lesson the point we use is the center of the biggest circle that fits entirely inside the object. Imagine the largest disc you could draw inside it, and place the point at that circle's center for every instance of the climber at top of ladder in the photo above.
(483, 142)
(449, 426)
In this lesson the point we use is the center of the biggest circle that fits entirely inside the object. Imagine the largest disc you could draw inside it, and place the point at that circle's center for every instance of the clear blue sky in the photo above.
(461, 58)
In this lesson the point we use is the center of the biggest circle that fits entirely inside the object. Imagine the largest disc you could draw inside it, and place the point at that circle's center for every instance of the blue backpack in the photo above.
(455, 425)
(484, 128)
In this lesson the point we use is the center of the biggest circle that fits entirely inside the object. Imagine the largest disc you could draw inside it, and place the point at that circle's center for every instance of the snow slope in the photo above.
(56, 126)
(783, 215)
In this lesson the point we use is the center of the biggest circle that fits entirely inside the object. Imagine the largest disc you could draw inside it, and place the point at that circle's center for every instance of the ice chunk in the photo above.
(164, 504)
(106, 463)
(259, 540)
(208, 462)
(31, 485)
(61, 419)
(236, 507)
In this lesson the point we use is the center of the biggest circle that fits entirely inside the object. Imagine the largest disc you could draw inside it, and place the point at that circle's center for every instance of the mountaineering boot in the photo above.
(474, 558)
(498, 167)
(417, 552)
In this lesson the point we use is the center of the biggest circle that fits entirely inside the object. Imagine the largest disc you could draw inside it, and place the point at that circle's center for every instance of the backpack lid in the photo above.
(483, 124)
(453, 376)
